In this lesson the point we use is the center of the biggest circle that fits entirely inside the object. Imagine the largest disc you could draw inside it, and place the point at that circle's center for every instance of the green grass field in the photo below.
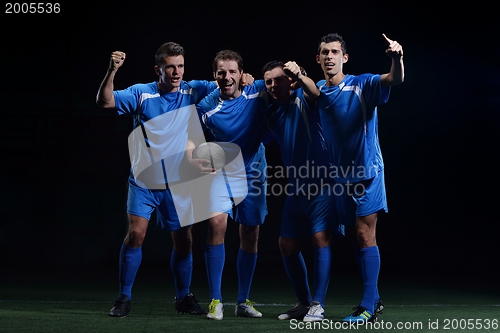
(34, 301)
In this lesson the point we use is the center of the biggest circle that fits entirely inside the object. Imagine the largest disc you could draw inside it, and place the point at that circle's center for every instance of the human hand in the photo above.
(395, 50)
(292, 69)
(198, 165)
(203, 166)
(117, 59)
(247, 79)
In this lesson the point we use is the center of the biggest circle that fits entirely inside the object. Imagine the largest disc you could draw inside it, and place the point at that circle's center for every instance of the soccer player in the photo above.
(235, 114)
(293, 121)
(348, 113)
(162, 110)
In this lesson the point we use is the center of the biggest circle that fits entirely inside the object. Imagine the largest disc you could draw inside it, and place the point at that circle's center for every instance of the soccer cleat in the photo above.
(215, 310)
(121, 308)
(297, 312)
(360, 315)
(189, 304)
(247, 310)
(379, 307)
(315, 313)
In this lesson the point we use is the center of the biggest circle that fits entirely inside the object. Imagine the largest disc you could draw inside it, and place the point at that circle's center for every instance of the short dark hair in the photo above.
(271, 65)
(333, 37)
(227, 55)
(169, 49)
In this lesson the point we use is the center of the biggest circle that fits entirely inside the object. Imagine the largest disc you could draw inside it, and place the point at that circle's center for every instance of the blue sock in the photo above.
(214, 262)
(357, 256)
(322, 265)
(182, 268)
(296, 270)
(371, 266)
(130, 260)
(245, 265)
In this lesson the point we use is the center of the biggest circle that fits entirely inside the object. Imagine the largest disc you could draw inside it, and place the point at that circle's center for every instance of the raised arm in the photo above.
(306, 83)
(105, 97)
(396, 75)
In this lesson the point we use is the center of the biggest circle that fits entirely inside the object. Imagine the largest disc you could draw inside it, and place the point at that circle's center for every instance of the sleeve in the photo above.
(375, 94)
(203, 88)
(202, 108)
(127, 100)
(258, 86)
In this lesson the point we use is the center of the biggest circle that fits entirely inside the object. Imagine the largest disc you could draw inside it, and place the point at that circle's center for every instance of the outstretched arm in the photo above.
(306, 83)
(396, 74)
(105, 97)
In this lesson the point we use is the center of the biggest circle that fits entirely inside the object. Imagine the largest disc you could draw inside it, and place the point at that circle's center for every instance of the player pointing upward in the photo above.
(348, 112)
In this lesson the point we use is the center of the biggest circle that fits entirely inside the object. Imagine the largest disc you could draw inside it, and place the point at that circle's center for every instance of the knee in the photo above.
(366, 237)
(249, 238)
(321, 239)
(288, 246)
(182, 241)
(135, 237)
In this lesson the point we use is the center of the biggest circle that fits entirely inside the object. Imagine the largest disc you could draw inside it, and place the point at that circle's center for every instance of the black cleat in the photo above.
(378, 309)
(189, 304)
(121, 307)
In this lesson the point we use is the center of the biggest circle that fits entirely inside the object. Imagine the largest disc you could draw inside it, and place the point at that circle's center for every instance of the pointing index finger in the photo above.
(387, 39)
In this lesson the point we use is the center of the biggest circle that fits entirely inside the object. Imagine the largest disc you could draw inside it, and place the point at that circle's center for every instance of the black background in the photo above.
(64, 161)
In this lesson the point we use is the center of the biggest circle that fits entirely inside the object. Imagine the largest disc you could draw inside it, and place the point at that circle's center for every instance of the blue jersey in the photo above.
(298, 131)
(239, 121)
(349, 119)
(161, 123)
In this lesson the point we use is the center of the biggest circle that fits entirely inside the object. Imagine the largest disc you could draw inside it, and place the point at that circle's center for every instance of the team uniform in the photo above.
(156, 145)
(308, 207)
(349, 118)
(157, 155)
(237, 123)
(298, 132)
(350, 124)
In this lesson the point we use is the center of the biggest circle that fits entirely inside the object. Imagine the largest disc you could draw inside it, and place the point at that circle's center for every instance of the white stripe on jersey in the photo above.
(186, 91)
(211, 112)
(221, 101)
(145, 96)
(302, 110)
(254, 95)
(357, 90)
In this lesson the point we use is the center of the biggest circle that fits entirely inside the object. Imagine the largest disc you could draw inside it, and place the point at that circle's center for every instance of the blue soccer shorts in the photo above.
(305, 215)
(142, 202)
(247, 195)
(360, 199)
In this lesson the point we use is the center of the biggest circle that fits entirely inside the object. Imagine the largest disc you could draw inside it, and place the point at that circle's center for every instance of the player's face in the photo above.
(277, 83)
(228, 78)
(171, 73)
(331, 58)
